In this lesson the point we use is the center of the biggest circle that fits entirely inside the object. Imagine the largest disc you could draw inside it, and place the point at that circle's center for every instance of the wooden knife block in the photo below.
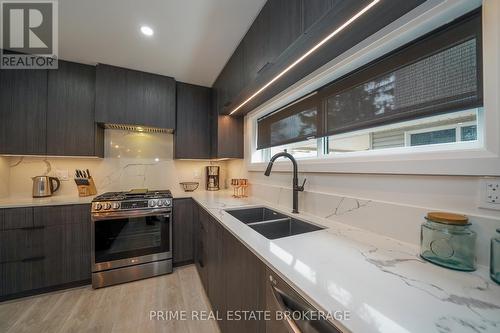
(87, 190)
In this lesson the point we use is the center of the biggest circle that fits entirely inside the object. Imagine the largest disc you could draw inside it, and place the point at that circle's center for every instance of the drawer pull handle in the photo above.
(266, 65)
(39, 258)
(34, 228)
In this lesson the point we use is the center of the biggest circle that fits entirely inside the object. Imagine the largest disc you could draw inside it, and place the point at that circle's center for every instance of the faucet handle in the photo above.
(301, 188)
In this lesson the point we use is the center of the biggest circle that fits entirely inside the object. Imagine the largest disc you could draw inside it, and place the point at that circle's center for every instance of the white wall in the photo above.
(449, 193)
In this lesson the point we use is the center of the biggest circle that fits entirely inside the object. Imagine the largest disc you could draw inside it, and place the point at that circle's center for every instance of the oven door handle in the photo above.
(128, 214)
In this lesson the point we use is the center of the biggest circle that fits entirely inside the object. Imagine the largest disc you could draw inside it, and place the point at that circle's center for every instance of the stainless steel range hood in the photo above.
(137, 128)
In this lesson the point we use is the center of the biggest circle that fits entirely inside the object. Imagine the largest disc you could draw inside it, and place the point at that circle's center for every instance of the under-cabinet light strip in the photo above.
(305, 55)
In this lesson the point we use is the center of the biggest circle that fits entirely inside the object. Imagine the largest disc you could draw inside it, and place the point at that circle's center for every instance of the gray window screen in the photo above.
(438, 73)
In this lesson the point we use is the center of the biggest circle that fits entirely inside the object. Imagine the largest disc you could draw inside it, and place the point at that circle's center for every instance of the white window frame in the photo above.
(476, 158)
(457, 127)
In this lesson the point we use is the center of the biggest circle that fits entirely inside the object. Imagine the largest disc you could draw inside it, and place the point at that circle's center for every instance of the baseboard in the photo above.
(44, 290)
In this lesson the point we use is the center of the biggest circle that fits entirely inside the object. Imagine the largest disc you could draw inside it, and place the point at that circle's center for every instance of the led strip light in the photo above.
(305, 55)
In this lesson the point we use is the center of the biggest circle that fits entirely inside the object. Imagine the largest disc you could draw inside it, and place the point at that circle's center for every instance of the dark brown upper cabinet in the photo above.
(71, 130)
(23, 111)
(201, 133)
(129, 97)
(283, 31)
(229, 138)
(193, 128)
(49, 112)
(314, 10)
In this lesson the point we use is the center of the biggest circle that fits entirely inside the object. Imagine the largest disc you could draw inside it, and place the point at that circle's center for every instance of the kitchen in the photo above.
(324, 166)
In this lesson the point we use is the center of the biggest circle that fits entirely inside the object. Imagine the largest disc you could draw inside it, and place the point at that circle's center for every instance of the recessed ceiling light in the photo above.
(305, 55)
(147, 30)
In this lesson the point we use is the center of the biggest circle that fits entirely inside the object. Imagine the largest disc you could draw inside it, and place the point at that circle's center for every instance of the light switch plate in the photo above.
(489, 193)
(196, 174)
(62, 174)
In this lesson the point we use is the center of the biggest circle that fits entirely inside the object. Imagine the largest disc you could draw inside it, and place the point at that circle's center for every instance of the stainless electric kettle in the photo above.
(43, 186)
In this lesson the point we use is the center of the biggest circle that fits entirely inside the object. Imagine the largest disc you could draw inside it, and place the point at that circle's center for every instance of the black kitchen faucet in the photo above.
(296, 187)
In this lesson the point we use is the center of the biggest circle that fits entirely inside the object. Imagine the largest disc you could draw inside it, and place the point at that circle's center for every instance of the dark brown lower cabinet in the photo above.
(244, 284)
(233, 277)
(183, 242)
(43, 248)
(201, 245)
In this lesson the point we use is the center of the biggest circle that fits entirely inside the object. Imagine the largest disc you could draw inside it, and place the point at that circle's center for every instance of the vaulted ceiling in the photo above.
(192, 38)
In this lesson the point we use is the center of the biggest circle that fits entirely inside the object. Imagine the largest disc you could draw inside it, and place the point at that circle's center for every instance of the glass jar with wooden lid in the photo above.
(447, 240)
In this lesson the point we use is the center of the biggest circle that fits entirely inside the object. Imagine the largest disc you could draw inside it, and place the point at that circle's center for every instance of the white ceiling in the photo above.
(192, 39)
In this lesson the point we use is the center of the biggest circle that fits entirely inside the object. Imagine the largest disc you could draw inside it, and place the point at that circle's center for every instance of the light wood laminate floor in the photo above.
(120, 308)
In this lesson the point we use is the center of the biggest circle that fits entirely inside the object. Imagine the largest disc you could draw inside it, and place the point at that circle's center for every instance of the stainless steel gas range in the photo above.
(131, 236)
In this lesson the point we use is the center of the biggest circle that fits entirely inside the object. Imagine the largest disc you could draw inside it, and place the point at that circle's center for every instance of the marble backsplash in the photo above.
(396, 221)
(132, 160)
(4, 177)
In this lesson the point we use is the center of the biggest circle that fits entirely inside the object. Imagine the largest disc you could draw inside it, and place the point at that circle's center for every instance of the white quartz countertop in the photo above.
(383, 283)
(56, 200)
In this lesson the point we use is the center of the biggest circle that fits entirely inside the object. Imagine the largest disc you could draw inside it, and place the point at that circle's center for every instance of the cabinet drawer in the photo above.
(22, 276)
(61, 215)
(21, 244)
(16, 218)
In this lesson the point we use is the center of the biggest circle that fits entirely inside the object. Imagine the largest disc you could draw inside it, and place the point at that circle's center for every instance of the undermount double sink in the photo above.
(272, 224)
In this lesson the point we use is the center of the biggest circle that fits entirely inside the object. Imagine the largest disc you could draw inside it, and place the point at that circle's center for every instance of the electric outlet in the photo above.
(62, 174)
(492, 192)
(196, 175)
(489, 193)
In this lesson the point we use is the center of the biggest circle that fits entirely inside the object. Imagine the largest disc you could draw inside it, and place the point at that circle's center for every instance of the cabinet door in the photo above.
(230, 81)
(16, 218)
(68, 246)
(71, 129)
(229, 137)
(257, 46)
(193, 134)
(76, 254)
(22, 276)
(23, 109)
(244, 284)
(216, 271)
(313, 10)
(125, 96)
(111, 95)
(183, 231)
(150, 100)
(202, 248)
(286, 24)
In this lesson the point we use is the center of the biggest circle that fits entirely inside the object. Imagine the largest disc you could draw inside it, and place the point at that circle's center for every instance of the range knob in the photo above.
(97, 206)
(153, 203)
(107, 206)
(168, 202)
(162, 202)
(115, 205)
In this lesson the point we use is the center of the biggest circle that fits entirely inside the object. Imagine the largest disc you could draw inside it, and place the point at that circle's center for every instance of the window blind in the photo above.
(438, 73)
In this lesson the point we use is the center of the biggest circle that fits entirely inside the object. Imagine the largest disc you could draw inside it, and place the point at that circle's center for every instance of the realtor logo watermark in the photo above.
(29, 38)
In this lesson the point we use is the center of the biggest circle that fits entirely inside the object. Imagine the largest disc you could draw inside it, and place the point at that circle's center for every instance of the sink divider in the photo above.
(289, 219)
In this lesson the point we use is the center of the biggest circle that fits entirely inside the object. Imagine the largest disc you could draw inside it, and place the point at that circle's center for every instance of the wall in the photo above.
(132, 160)
(4, 177)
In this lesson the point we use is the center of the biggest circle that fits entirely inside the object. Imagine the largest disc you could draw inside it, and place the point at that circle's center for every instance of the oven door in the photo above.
(121, 241)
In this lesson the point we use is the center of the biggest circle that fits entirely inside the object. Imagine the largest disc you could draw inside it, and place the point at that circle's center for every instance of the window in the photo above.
(427, 93)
